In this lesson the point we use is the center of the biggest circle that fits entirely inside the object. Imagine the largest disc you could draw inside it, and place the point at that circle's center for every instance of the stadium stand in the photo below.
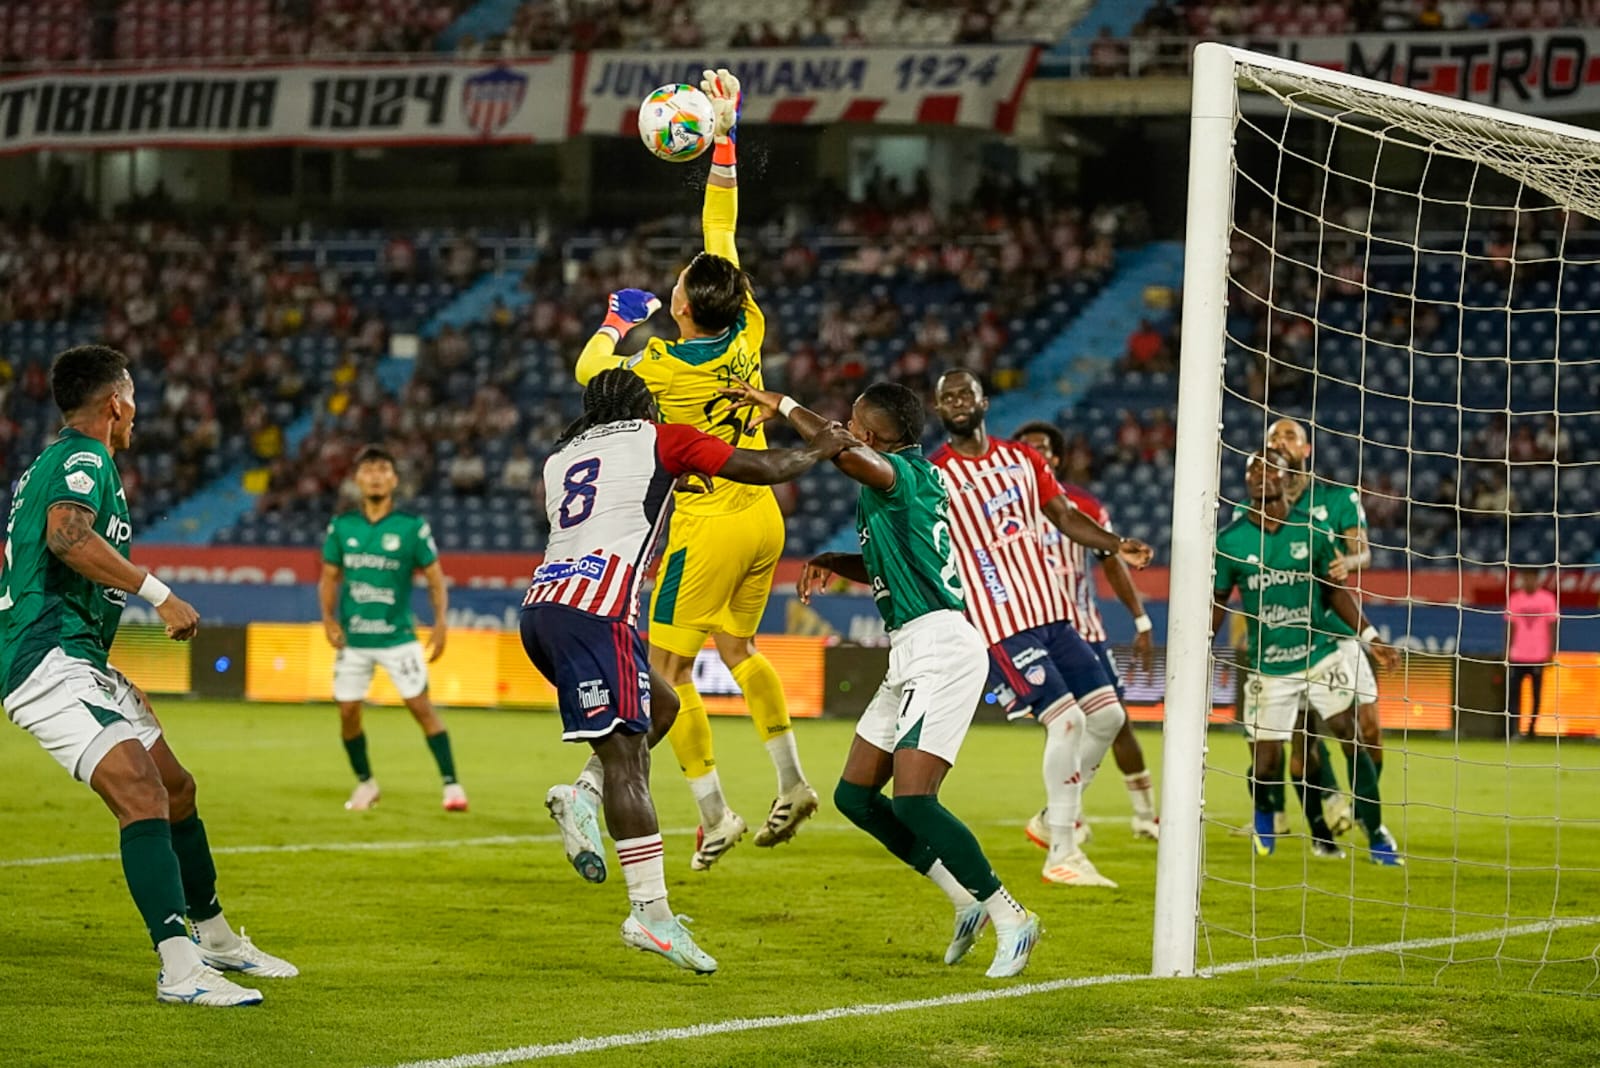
(238, 331)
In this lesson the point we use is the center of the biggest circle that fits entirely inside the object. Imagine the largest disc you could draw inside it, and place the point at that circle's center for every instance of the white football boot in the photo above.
(455, 798)
(244, 956)
(204, 985)
(574, 813)
(1014, 945)
(364, 796)
(791, 808)
(1075, 870)
(669, 938)
(970, 922)
(709, 845)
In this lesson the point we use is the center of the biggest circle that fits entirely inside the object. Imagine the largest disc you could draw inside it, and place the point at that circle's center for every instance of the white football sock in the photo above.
(786, 758)
(1142, 792)
(644, 870)
(179, 957)
(707, 790)
(593, 779)
(1003, 909)
(1063, 783)
(215, 932)
(1103, 717)
(959, 895)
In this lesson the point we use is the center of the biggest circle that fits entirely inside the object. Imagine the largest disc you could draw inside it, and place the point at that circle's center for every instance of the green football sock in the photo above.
(440, 745)
(356, 749)
(198, 872)
(151, 868)
(872, 812)
(950, 841)
(1269, 796)
(1364, 784)
(1325, 778)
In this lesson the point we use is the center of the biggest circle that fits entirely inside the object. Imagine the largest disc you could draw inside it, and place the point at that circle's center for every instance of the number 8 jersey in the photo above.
(608, 492)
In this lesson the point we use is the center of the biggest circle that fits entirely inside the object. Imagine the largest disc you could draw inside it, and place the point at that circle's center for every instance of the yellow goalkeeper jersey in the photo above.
(687, 376)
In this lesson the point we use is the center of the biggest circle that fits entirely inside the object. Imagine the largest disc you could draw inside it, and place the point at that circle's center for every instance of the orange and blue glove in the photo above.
(626, 309)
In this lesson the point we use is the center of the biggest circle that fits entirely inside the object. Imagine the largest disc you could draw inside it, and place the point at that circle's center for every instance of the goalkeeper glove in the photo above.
(722, 87)
(626, 309)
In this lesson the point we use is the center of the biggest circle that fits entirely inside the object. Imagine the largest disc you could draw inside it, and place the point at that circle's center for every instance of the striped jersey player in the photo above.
(609, 488)
(1072, 565)
(1001, 493)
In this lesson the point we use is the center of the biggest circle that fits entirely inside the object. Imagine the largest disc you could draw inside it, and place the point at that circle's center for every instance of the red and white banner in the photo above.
(952, 86)
(440, 103)
(1547, 72)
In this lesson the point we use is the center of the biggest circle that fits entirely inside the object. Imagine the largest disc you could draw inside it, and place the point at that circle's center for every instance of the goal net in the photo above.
(1415, 281)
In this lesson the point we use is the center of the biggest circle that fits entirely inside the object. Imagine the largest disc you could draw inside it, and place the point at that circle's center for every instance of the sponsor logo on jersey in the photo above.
(116, 597)
(1270, 577)
(991, 576)
(880, 589)
(1277, 615)
(1011, 527)
(594, 696)
(363, 625)
(366, 593)
(1009, 496)
(80, 482)
(118, 530)
(373, 561)
(391, 543)
(1299, 550)
(91, 458)
(592, 566)
(1031, 655)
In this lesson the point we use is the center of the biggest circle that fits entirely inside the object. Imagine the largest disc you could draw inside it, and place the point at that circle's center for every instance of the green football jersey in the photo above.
(906, 544)
(1333, 508)
(44, 604)
(1276, 575)
(378, 561)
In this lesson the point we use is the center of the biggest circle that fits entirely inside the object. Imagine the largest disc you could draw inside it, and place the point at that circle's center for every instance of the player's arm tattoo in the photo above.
(70, 536)
(69, 527)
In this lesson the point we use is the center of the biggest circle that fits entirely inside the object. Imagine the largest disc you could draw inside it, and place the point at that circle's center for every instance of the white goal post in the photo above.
(1551, 165)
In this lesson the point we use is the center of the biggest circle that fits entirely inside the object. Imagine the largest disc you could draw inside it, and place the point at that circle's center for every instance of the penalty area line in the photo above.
(523, 1054)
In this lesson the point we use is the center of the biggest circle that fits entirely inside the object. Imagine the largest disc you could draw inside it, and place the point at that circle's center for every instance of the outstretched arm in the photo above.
(767, 467)
(625, 309)
(864, 465)
(720, 215)
(1085, 531)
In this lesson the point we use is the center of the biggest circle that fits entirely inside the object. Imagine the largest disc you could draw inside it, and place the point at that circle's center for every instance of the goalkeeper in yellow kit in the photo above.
(725, 542)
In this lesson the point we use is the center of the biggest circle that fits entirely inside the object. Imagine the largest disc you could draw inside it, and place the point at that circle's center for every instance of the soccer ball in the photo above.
(677, 123)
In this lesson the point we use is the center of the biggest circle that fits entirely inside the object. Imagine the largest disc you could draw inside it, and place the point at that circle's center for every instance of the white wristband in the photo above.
(1142, 624)
(1370, 634)
(787, 405)
(154, 590)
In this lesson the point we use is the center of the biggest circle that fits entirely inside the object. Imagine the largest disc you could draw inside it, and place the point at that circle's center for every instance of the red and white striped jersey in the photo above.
(607, 493)
(1072, 565)
(996, 511)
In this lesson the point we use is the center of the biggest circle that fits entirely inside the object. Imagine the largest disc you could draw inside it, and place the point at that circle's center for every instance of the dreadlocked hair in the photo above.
(612, 396)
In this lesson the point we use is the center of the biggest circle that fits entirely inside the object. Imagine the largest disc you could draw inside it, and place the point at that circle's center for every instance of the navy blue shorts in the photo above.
(1102, 649)
(598, 666)
(1031, 671)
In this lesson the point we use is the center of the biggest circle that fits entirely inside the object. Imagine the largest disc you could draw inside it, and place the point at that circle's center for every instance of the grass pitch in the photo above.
(422, 934)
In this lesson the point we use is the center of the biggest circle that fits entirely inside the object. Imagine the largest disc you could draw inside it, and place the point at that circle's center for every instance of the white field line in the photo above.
(385, 846)
(523, 1054)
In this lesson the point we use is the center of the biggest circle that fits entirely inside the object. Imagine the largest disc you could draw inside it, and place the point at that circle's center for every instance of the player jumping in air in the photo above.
(724, 545)
(368, 560)
(915, 724)
(1284, 574)
(1001, 496)
(610, 487)
(63, 588)
(1070, 562)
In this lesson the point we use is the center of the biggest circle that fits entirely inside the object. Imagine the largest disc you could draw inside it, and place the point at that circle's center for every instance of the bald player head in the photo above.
(959, 401)
(1289, 438)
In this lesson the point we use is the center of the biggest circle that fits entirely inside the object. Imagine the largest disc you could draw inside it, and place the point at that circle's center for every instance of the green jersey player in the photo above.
(1283, 574)
(915, 724)
(368, 560)
(1337, 509)
(65, 581)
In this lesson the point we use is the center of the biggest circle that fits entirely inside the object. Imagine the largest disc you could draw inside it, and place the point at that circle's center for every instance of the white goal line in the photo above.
(523, 1054)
